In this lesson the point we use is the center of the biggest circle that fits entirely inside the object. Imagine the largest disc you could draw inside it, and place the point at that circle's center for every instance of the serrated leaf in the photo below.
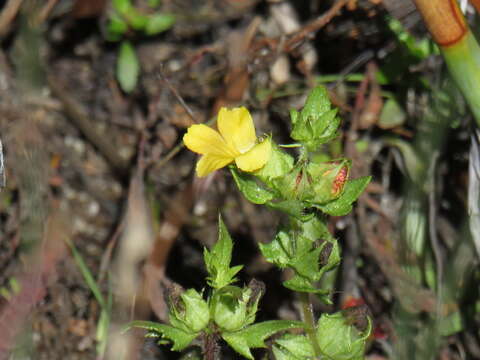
(158, 23)
(322, 126)
(249, 187)
(306, 264)
(317, 102)
(317, 122)
(296, 346)
(302, 284)
(295, 208)
(343, 205)
(315, 228)
(278, 251)
(282, 354)
(128, 67)
(218, 259)
(179, 338)
(254, 336)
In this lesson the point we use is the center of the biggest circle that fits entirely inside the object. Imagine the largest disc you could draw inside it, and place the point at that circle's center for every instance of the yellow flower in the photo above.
(235, 140)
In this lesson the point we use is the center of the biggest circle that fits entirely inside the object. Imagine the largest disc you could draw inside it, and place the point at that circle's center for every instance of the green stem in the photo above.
(310, 322)
(290, 145)
(463, 61)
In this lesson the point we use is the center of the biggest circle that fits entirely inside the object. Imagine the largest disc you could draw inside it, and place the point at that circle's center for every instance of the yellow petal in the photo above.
(210, 162)
(236, 127)
(256, 158)
(204, 140)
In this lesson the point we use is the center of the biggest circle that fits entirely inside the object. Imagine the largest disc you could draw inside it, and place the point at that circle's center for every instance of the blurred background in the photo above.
(101, 207)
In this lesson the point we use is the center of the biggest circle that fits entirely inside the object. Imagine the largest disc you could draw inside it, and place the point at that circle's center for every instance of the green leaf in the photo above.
(122, 6)
(249, 187)
(128, 67)
(317, 103)
(306, 263)
(450, 324)
(158, 23)
(317, 123)
(329, 132)
(218, 259)
(279, 250)
(136, 19)
(87, 275)
(343, 205)
(291, 346)
(295, 208)
(392, 115)
(420, 49)
(116, 27)
(14, 285)
(314, 229)
(282, 354)
(179, 338)
(302, 284)
(279, 164)
(340, 341)
(254, 336)
(103, 329)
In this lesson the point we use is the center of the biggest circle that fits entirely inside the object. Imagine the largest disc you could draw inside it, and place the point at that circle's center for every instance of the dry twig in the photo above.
(8, 14)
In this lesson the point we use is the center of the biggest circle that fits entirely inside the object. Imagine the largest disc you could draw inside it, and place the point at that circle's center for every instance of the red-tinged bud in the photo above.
(329, 179)
(340, 181)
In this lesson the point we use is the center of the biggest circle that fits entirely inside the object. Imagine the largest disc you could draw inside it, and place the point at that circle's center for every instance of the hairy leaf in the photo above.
(179, 338)
(218, 259)
(249, 187)
(254, 336)
(291, 346)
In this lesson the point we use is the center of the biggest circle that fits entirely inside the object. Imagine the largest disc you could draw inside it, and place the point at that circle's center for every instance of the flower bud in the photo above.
(234, 308)
(190, 312)
(230, 309)
(339, 339)
(296, 184)
(328, 180)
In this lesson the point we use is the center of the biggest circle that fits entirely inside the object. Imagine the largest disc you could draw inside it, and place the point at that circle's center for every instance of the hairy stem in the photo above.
(210, 349)
(310, 322)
